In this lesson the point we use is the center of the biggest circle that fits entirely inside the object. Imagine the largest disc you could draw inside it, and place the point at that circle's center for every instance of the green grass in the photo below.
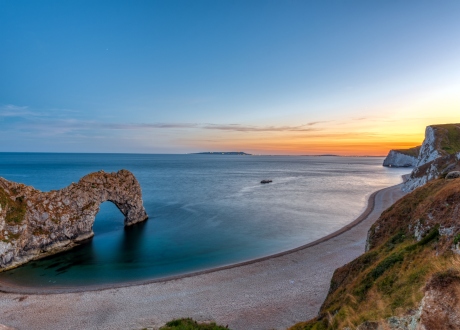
(16, 209)
(189, 324)
(410, 152)
(457, 239)
(390, 285)
(434, 233)
(450, 141)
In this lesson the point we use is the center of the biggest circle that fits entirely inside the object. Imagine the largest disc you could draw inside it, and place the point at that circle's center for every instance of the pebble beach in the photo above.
(269, 293)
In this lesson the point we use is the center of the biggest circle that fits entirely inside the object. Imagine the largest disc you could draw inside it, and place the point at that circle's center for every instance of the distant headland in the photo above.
(226, 153)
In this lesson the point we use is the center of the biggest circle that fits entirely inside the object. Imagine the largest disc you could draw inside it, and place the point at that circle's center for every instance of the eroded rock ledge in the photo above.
(34, 224)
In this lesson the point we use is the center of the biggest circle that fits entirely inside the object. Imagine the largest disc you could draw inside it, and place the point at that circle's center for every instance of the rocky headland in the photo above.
(402, 157)
(439, 155)
(409, 277)
(34, 224)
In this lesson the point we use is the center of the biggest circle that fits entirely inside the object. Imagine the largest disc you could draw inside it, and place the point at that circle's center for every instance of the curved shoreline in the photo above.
(273, 293)
(7, 287)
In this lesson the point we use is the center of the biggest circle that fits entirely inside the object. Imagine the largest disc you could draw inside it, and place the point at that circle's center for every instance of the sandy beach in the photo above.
(270, 293)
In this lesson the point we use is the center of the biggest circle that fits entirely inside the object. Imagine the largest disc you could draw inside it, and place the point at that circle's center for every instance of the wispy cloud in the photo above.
(244, 128)
(11, 110)
(206, 126)
(146, 126)
(209, 126)
(25, 112)
(52, 122)
(60, 126)
(317, 122)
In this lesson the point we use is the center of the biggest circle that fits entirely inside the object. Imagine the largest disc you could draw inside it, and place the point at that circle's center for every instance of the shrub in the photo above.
(189, 324)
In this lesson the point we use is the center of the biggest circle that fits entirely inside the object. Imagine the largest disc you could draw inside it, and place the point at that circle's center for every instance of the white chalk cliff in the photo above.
(439, 155)
(428, 151)
(397, 158)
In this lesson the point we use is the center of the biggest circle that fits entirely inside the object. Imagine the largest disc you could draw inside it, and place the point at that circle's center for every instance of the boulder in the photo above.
(453, 175)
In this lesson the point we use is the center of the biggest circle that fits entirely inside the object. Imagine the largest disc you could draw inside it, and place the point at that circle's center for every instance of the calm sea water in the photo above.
(205, 210)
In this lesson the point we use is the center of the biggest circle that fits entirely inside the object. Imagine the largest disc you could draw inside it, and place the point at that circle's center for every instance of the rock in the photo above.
(429, 150)
(397, 158)
(453, 175)
(369, 325)
(438, 155)
(423, 174)
(45, 223)
(411, 321)
(441, 305)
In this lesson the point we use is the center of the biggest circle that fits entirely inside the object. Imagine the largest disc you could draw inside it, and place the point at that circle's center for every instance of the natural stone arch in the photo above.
(34, 224)
(121, 188)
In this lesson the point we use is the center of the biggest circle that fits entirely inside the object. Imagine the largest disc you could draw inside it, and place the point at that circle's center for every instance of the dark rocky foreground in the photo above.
(34, 224)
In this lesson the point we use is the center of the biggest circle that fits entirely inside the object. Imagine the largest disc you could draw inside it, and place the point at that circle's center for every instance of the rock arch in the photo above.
(34, 224)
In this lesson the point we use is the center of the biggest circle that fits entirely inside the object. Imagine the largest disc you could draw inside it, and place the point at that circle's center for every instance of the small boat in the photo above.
(266, 181)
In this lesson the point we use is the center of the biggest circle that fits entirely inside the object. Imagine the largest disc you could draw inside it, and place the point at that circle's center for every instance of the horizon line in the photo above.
(188, 153)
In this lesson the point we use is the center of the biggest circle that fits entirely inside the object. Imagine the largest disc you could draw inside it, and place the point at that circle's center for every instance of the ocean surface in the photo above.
(204, 210)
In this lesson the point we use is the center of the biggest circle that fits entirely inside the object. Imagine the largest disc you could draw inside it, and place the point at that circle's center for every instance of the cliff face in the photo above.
(34, 224)
(430, 147)
(402, 157)
(439, 154)
(409, 277)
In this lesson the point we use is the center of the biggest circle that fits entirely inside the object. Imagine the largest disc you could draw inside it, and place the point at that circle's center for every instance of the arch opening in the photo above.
(108, 218)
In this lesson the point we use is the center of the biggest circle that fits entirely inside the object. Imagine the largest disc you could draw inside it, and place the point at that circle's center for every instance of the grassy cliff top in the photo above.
(391, 278)
(448, 137)
(410, 152)
(15, 207)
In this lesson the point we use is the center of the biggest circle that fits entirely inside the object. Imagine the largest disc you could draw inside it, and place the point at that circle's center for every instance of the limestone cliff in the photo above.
(409, 277)
(439, 154)
(34, 224)
(402, 157)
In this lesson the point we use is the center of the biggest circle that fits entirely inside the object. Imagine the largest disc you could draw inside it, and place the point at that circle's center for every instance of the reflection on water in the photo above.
(131, 242)
(125, 249)
(204, 211)
(129, 245)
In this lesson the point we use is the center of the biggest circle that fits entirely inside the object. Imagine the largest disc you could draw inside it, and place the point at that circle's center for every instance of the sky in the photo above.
(290, 77)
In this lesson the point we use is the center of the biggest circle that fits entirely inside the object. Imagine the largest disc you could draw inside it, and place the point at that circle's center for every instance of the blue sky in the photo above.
(283, 77)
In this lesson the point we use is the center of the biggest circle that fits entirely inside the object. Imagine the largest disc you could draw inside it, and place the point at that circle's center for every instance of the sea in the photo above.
(205, 211)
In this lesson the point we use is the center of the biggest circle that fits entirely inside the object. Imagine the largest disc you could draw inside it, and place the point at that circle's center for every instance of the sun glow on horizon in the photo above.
(363, 137)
